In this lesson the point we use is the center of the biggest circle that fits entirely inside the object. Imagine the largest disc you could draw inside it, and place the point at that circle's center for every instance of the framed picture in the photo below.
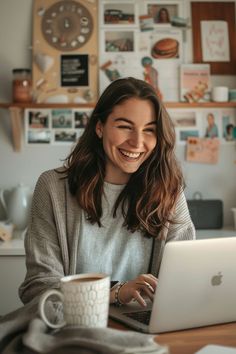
(119, 13)
(162, 12)
(213, 21)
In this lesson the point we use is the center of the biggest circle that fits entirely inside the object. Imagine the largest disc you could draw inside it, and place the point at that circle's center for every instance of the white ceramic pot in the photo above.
(17, 204)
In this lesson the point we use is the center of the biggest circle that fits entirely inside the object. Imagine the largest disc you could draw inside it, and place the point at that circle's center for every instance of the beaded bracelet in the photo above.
(117, 290)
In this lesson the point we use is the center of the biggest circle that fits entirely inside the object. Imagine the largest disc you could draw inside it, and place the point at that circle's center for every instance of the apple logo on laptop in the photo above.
(216, 279)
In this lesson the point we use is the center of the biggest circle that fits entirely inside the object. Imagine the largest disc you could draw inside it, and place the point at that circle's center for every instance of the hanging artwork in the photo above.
(65, 50)
(216, 19)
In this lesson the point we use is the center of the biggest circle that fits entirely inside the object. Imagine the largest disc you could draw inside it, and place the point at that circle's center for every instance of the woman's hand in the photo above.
(142, 286)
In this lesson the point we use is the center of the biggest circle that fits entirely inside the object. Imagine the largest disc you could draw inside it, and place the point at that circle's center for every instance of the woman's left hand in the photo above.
(142, 286)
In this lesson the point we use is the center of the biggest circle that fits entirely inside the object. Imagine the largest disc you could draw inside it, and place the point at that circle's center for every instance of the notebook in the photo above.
(196, 287)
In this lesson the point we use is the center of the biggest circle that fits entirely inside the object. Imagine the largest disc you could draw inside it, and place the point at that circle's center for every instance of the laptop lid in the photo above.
(196, 287)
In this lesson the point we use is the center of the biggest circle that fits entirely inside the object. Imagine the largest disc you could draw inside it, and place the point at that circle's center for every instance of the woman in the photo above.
(163, 16)
(212, 129)
(116, 201)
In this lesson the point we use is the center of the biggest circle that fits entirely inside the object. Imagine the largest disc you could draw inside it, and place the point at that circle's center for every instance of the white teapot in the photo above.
(16, 204)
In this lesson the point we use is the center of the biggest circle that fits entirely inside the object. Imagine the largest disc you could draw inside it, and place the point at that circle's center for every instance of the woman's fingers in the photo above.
(137, 297)
(144, 285)
(147, 289)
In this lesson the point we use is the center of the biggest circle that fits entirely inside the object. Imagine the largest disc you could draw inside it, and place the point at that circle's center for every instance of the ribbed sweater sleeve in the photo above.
(45, 253)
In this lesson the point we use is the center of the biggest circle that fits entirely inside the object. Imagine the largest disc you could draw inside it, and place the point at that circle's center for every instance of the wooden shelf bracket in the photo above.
(16, 114)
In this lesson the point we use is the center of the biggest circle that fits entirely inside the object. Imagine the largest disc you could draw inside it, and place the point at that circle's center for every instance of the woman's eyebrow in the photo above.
(131, 122)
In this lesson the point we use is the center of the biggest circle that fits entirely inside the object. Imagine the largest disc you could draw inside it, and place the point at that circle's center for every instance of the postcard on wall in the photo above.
(118, 41)
(202, 150)
(215, 41)
(37, 126)
(211, 127)
(162, 12)
(183, 119)
(228, 120)
(167, 44)
(195, 82)
(116, 13)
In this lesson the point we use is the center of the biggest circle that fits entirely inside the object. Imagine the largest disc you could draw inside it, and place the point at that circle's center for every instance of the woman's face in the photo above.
(129, 137)
(210, 119)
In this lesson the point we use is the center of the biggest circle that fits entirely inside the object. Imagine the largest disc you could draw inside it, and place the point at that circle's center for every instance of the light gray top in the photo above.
(53, 236)
(112, 249)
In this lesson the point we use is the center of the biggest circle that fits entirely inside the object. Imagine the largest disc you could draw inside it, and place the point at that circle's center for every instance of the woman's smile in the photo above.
(130, 155)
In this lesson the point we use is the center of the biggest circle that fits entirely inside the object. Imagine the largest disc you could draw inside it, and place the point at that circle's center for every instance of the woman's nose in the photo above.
(136, 139)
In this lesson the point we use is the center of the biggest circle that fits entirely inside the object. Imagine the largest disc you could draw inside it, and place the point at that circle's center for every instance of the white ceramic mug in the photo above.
(220, 94)
(85, 299)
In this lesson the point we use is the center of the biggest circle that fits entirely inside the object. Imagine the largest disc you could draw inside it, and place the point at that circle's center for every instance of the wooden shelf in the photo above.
(17, 110)
(8, 105)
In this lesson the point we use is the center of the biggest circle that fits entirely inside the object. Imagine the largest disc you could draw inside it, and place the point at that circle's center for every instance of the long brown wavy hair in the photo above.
(148, 199)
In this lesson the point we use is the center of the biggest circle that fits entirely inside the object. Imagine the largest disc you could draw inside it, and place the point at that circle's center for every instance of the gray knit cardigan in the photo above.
(53, 234)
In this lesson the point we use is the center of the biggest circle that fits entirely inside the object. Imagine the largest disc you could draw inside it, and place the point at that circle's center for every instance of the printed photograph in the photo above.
(184, 119)
(119, 41)
(116, 13)
(64, 136)
(167, 45)
(81, 119)
(62, 118)
(39, 136)
(162, 13)
(211, 127)
(37, 119)
(228, 120)
(185, 134)
(195, 82)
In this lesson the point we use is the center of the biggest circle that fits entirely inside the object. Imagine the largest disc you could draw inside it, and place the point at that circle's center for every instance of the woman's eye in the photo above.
(150, 130)
(124, 127)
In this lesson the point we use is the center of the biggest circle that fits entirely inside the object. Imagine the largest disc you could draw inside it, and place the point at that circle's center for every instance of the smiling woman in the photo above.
(116, 201)
(129, 137)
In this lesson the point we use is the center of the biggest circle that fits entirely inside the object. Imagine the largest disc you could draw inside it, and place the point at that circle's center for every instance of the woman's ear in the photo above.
(99, 129)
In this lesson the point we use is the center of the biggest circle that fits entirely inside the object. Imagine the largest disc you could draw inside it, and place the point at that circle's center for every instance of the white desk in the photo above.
(12, 267)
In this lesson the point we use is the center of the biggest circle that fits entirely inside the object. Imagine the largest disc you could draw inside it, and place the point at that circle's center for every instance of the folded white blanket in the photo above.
(23, 332)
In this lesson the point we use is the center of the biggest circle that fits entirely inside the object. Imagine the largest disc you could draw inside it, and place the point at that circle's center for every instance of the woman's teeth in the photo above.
(132, 155)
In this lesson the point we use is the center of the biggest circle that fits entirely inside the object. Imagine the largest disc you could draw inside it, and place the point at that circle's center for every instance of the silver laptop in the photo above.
(196, 287)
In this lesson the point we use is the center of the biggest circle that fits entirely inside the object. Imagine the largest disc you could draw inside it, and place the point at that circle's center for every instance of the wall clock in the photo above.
(67, 25)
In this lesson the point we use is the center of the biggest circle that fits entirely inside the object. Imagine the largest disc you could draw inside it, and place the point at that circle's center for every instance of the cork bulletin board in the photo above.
(65, 51)
(214, 11)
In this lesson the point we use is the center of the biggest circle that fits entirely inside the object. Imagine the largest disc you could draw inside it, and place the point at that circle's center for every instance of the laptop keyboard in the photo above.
(140, 316)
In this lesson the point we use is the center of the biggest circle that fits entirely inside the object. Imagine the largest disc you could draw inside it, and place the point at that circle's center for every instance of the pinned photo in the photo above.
(61, 118)
(39, 136)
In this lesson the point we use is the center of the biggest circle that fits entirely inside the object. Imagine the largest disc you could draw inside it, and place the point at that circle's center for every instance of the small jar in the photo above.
(22, 85)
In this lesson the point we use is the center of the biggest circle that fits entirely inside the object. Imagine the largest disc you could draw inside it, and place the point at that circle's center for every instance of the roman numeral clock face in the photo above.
(67, 25)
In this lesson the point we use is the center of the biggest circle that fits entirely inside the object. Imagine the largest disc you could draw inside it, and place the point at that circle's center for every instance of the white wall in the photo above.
(216, 181)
